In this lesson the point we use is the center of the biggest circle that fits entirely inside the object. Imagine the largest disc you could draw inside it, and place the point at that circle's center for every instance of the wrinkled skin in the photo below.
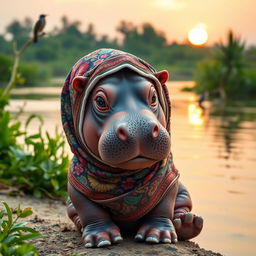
(124, 107)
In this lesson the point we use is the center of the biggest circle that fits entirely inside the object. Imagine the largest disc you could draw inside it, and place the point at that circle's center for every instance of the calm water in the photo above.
(216, 157)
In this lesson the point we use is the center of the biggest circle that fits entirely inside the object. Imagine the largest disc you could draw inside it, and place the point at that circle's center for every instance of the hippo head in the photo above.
(122, 119)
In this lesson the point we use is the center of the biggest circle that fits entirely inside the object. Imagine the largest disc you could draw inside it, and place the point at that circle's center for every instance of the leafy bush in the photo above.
(14, 234)
(240, 85)
(39, 165)
(208, 75)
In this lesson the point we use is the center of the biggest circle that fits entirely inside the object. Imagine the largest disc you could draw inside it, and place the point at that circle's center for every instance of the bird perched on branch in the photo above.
(39, 27)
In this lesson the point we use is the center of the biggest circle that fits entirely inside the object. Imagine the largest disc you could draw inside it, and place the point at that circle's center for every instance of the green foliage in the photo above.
(231, 54)
(225, 74)
(5, 67)
(14, 235)
(250, 56)
(19, 29)
(33, 74)
(67, 43)
(37, 166)
(208, 75)
(62, 46)
(29, 73)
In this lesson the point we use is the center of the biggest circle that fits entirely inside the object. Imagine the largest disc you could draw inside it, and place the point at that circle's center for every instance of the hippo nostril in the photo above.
(155, 131)
(122, 133)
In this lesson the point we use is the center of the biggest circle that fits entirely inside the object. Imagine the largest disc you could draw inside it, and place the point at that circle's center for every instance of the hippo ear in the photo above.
(79, 83)
(162, 76)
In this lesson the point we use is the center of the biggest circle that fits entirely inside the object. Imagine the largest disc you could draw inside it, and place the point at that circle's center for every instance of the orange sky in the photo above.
(174, 17)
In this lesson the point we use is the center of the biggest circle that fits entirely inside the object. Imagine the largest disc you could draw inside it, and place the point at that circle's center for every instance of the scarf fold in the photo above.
(129, 195)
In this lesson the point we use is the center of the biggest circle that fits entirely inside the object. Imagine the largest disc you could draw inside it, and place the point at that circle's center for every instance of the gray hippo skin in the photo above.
(124, 127)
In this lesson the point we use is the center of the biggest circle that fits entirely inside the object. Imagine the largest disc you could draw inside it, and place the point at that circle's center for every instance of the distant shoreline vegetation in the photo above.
(60, 48)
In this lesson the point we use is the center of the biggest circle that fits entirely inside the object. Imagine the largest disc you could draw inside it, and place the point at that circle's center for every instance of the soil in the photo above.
(49, 217)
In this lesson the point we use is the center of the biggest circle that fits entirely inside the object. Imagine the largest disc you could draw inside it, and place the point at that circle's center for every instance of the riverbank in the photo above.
(50, 218)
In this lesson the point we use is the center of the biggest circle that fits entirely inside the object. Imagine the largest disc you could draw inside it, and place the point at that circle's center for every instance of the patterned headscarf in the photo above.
(129, 195)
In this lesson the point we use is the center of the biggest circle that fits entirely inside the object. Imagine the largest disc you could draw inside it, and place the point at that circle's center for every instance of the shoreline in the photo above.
(49, 217)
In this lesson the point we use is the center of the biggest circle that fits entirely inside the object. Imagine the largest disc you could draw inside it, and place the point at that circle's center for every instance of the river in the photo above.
(216, 158)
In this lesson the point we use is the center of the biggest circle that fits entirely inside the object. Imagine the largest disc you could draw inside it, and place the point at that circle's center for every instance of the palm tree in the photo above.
(231, 58)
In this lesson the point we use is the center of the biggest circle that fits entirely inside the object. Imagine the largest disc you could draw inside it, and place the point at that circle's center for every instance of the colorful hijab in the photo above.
(129, 195)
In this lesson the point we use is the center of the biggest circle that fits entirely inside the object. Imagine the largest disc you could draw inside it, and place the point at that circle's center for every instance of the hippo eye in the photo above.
(153, 97)
(100, 102)
(153, 100)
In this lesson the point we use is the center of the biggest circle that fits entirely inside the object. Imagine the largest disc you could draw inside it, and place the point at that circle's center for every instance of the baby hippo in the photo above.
(116, 116)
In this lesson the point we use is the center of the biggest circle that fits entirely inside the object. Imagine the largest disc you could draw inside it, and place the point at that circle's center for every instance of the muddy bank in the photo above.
(62, 238)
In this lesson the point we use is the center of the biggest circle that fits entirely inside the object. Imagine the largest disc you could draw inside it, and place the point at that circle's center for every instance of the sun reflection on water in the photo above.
(195, 114)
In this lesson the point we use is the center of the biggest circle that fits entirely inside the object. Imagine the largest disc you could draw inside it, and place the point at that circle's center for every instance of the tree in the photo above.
(20, 30)
(224, 74)
(231, 57)
(144, 41)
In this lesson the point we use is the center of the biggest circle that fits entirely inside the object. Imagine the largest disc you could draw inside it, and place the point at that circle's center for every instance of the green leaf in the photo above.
(20, 224)
(10, 239)
(26, 212)
(24, 229)
(24, 250)
(18, 210)
(2, 213)
(55, 184)
(31, 117)
(5, 226)
(31, 236)
(34, 136)
(3, 249)
(9, 214)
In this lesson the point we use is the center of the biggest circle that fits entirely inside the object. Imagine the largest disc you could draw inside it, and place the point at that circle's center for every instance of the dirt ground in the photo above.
(50, 218)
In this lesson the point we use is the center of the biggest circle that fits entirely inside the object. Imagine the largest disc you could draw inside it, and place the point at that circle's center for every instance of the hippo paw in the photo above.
(101, 234)
(187, 225)
(157, 230)
(73, 215)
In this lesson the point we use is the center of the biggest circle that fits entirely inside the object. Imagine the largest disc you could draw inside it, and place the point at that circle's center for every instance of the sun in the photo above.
(198, 35)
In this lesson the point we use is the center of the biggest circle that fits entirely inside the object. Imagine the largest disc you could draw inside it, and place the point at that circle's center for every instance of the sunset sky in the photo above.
(174, 17)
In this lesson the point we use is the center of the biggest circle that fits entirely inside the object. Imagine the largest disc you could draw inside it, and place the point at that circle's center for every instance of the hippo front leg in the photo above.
(171, 219)
(157, 225)
(97, 228)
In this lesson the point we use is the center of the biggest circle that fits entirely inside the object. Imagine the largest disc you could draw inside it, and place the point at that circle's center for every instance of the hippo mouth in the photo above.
(135, 163)
(140, 158)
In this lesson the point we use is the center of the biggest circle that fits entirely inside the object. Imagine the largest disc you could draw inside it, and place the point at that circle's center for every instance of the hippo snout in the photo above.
(122, 130)
(132, 137)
